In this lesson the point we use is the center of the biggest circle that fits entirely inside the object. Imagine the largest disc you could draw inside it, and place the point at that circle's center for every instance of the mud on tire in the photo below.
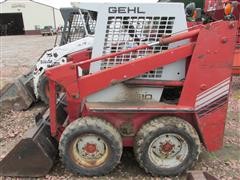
(161, 141)
(90, 147)
(43, 89)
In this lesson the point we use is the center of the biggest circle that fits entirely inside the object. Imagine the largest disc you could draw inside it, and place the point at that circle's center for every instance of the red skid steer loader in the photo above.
(89, 129)
(166, 137)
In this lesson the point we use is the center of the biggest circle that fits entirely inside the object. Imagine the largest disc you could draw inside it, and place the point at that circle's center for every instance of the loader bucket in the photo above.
(33, 156)
(19, 94)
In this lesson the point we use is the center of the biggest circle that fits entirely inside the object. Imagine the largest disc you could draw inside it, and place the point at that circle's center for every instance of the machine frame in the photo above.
(205, 109)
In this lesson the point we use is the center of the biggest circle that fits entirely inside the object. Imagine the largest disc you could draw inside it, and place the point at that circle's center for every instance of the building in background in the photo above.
(27, 17)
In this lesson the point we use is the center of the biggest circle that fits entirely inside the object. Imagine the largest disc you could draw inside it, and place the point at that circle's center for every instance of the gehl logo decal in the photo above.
(125, 10)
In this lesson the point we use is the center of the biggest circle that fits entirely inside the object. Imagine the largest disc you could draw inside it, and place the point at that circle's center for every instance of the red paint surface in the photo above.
(210, 57)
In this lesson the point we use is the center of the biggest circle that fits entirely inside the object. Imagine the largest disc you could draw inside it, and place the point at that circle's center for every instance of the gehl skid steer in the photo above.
(78, 35)
(151, 83)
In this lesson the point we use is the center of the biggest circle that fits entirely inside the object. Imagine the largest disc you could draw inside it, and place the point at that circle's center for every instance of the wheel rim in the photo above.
(89, 150)
(168, 150)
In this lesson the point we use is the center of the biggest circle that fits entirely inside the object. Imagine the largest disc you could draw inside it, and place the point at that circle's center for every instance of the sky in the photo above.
(66, 3)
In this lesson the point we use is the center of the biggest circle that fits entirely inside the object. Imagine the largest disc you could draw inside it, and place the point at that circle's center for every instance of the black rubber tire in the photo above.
(157, 127)
(43, 82)
(97, 126)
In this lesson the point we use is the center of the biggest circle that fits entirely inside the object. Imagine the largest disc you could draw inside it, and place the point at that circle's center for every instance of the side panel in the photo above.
(212, 128)
(208, 80)
(122, 26)
(236, 62)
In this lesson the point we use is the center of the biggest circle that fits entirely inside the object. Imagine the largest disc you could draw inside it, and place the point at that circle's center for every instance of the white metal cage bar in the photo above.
(123, 32)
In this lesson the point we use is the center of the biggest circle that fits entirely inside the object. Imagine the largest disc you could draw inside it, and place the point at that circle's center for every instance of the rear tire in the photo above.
(90, 147)
(167, 146)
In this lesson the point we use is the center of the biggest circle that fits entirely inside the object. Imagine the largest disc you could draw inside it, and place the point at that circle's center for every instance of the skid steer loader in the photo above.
(152, 84)
(77, 35)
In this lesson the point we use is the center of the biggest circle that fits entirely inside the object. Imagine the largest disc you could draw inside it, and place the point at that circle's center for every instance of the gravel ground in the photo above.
(19, 53)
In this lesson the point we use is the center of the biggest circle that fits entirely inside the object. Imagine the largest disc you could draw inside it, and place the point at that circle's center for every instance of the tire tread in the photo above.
(88, 123)
(163, 122)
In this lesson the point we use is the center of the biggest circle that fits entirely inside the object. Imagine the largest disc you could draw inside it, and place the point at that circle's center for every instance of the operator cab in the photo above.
(78, 23)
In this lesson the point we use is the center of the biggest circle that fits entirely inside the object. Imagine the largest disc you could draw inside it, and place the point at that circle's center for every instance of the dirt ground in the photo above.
(19, 53)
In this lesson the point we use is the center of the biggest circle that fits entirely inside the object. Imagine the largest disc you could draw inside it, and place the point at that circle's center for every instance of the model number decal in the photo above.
(125, 10)
(144, 96)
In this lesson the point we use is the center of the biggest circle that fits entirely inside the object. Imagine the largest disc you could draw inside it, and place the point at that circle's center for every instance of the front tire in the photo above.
(43, 89)
(90, 146)
(167, 146)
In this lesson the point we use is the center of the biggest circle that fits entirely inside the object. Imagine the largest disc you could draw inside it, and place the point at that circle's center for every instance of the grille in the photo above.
(76, 26)
(126, 32)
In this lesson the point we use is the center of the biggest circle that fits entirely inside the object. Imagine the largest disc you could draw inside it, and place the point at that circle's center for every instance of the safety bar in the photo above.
(163, 40)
